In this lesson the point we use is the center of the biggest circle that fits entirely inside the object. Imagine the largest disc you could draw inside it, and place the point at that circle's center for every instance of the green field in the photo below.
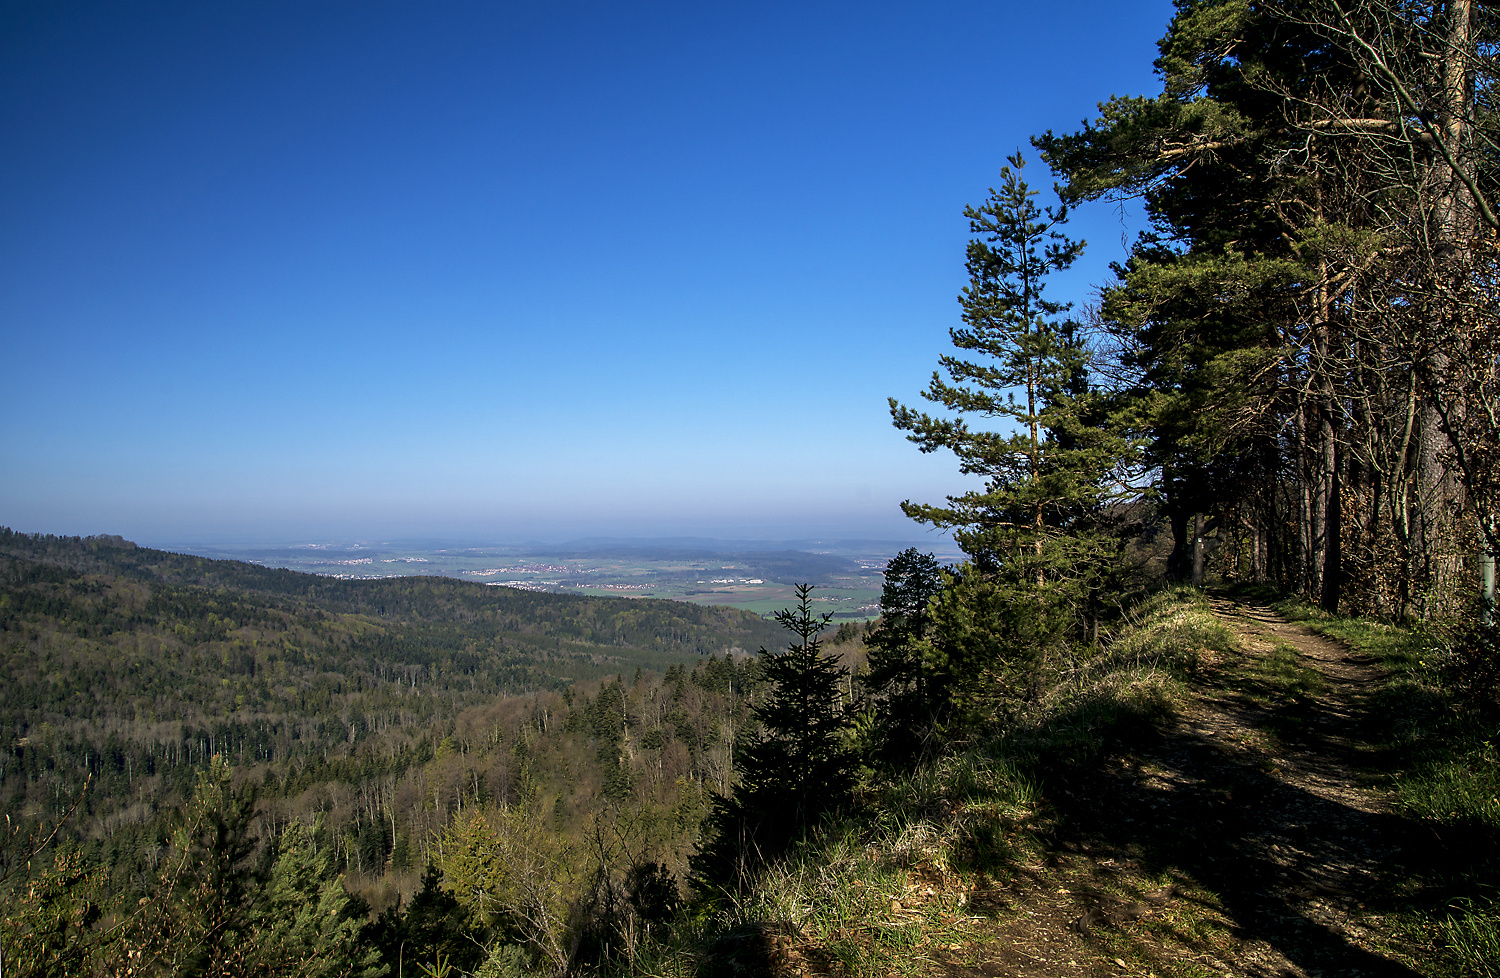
(844, 602)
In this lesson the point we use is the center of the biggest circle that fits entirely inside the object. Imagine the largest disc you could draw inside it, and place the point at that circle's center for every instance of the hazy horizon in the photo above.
(919, 537)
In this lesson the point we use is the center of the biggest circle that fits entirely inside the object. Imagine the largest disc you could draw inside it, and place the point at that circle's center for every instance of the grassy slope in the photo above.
(889, 891)
(896, 890)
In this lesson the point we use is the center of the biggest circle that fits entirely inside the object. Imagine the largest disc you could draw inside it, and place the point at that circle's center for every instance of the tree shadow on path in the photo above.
(1297, 852)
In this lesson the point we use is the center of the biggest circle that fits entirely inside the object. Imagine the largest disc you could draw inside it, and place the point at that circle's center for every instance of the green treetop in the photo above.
(1035, 529)
(1020, 361)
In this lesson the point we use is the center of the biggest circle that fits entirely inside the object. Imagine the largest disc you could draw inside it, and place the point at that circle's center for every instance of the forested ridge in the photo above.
(130, 668)
(656, 625)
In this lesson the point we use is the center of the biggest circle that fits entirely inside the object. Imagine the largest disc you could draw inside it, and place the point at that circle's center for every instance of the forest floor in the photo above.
(1245, 839)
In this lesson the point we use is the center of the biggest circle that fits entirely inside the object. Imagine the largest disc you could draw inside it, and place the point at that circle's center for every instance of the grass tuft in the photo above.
(1473, 940)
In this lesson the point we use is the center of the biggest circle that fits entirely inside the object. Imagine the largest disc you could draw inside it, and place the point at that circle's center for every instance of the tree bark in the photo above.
(1439, 495)
(1198, 554)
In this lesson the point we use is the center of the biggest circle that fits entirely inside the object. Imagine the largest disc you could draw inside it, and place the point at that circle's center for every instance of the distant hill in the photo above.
(123, 661)
(637, 624)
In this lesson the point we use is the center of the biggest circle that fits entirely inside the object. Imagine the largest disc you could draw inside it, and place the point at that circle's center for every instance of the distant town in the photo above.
(847, 578)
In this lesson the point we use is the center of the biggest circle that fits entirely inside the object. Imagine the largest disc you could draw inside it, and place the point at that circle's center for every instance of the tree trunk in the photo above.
(1327, 556)
(1257, 564)
(1333, 570)
(1439, 495)
(1179, 561)
(1198, 554)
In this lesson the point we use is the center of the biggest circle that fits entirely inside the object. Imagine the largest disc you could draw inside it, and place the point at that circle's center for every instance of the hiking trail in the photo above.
(1240, 841)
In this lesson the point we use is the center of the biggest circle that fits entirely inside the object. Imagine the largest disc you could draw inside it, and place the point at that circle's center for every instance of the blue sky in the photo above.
(274, 271)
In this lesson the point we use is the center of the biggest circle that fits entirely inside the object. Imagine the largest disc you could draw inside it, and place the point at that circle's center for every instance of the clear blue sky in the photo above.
(273, 271)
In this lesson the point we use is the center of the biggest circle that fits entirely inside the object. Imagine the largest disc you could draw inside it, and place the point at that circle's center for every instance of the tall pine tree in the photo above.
(1033, 531)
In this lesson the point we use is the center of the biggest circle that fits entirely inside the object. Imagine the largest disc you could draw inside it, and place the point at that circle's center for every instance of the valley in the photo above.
(752, 576)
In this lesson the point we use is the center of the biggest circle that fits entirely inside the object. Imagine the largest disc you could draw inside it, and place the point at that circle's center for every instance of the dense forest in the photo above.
(1293, 370)
(129, 669)
(370, 719)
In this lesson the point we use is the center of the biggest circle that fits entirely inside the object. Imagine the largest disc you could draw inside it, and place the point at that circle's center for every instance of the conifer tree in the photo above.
(1033, 530)
(908, 693)
(1220, 306)
(1312, 309)
(797, 770)
(799, 757)
(306, 922)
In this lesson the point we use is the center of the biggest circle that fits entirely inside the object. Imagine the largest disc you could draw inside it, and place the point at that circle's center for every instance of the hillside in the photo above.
(1217, 789)
(1233, 787)
(657, 626)
(131, 668)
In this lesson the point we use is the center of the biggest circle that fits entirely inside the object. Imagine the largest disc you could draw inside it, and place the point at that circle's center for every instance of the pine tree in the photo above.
(908, 692)
(1311, 315)
(797, 771)
(1033, 531)
(1220, 308)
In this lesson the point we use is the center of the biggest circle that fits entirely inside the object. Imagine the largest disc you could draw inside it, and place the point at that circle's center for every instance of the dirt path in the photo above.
(1240, 842)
